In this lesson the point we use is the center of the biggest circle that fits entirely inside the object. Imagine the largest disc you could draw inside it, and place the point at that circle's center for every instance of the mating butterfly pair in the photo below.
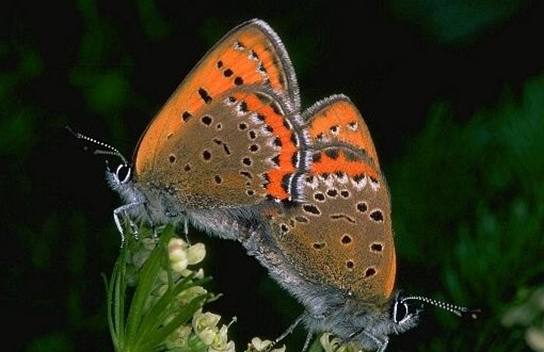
(232, 153)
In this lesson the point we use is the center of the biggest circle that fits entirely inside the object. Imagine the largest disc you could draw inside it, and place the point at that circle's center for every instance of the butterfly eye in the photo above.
(400, 312)
(123, 173)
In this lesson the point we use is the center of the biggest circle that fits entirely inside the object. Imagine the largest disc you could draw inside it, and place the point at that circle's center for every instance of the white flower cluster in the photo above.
(203, 333)
(204, 325)
(180, 253)
(206, 328)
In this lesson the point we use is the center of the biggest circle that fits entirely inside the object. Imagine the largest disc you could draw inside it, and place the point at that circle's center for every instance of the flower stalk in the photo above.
(156, 299)
(167, 295)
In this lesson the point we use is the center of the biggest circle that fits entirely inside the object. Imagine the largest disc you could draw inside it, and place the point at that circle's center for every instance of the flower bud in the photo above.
(196, 253)
(259, 345)
(186, 296)
(179, 337)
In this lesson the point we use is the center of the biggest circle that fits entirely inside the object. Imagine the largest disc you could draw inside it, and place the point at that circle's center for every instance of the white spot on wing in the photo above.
(329, 181)
(261, 70)
(229, 101)
(265, 131)
(256, 121)
(361, 184)
(342, 179)
(335, 130)
(313, 184)
(239, 110)
(252, 56)
(375, 185)
(238, 46)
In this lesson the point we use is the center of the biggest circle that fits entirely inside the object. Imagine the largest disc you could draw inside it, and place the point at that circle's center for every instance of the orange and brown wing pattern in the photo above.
(250, 55)
(282, 137)
(238, 151)
(340, 235)
(341, 223)
(331, 159)
(337, 120)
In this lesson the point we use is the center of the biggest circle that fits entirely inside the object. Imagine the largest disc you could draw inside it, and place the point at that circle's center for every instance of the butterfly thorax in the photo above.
(155, 205)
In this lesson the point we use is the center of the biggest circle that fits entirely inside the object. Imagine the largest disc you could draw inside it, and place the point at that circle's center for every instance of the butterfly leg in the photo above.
(289, 330)
(123, 211)
(154, 228)
(382, 345)
(186, 230)
(307, 342)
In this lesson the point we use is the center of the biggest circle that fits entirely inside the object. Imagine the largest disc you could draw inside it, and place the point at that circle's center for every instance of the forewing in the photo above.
(250, 55)
(239, 150)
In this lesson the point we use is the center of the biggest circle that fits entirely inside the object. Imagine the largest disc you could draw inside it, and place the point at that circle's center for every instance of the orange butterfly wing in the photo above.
(340, 233)
(344, 193)
(250, 55)
(337, 119)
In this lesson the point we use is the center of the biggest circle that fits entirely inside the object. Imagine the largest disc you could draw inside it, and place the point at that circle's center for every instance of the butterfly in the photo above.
(232, 153)
(334, 250)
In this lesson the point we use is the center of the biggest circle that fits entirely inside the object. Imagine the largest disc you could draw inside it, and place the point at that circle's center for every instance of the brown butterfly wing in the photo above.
(341, 233)
(185, 147)
(239, 151)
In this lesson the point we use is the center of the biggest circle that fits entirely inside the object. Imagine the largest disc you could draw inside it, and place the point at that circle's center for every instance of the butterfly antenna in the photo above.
(110, 150)
(463, 312)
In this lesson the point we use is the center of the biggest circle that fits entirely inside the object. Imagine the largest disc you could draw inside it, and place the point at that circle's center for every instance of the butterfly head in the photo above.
(122, 174)
(371, 325)
(403, 314)
(120, 178)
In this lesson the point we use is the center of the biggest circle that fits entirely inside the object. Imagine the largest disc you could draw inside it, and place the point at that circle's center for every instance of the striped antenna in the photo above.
(110, 150)
(463, 312)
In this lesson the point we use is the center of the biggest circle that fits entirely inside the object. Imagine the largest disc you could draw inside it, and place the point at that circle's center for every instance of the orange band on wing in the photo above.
(342, 121)
(248, 56)
(327, 164)
(276, 124)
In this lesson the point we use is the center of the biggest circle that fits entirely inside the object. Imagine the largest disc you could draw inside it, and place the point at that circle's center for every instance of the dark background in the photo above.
(453, 92)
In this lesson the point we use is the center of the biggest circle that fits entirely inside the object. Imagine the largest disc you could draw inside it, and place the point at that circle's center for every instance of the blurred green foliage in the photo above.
(528, 312)
(453, 92)
(476, 189)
